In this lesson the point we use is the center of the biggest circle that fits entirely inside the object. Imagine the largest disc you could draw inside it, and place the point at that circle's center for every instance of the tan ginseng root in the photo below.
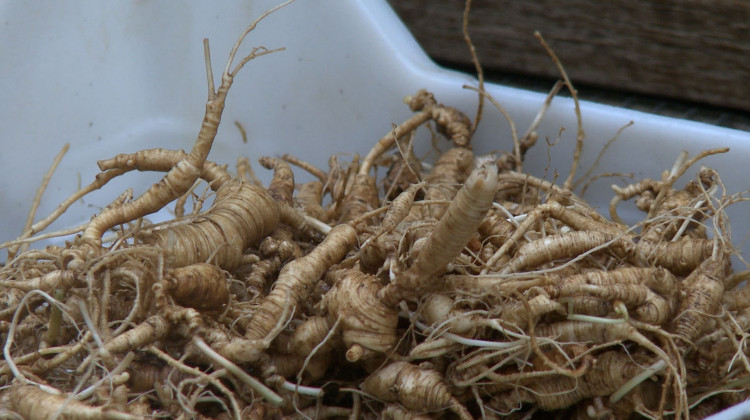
(241, 215)
(339, 184)
(403, 170)
(611, 370)
(368, 326)
(417, 388)
(650, 292)
(681, 211)
(309, 197)
(591, 234)
(281, 187)
(701, 298)
(292, 287)
(274, 250)
(550, 386)
(395, 411)
(453, 166)
(213, 344)
(450, 122)
(380, 245)
(197, 242)
(367, 310)
(351, 290)
(446, 177)
(280, 246)
(547, 249)
(601, 331)
(290, 353)
(705, 176)
(447, 241)
(200, 286)
(361, 197)
(592, 293)
(277, 249)
(145, 376)
(451, 327)
(368, 322)
(496, 228)
(45, 283)
(30, 402)
(680, 257)
(641, 401)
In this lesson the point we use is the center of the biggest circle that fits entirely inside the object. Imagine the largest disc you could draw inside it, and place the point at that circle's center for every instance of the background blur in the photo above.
(681, 58)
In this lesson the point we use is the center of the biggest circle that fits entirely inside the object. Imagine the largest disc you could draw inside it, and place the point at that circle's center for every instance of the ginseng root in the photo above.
(293, 286)
(702, 299)
(448, 239)
(450, 122)
(32, 403)
(182, 175)
(368, 325)
(242, 214)
(418, 389)
(199, 286)
(611, 370)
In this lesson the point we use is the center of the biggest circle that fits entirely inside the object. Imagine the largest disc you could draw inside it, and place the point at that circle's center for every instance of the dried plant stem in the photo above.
(580, 135)
(263, 390)
(475, 61)
(675, 175)
(37, 199)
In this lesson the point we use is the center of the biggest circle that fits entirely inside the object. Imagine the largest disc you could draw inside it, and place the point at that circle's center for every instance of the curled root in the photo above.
(241, 216)
(200, 286)
(33, 403)
(367, 323)
(415, 388)
(449, 237)
(297, 278)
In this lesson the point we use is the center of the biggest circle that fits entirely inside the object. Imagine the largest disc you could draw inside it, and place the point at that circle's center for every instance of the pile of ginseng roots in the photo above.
(458, 289)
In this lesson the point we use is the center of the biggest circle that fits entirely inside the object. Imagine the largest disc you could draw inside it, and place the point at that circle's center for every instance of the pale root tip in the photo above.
(483, 177)
(354, 353)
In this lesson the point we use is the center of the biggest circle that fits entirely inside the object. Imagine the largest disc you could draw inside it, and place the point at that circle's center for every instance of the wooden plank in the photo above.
(696, 50)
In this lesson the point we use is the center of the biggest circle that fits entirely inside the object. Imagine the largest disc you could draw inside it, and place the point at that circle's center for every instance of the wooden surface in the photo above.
(694, 50)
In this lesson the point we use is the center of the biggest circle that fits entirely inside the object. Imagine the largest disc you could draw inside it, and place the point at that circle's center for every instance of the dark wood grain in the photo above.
(696, 50)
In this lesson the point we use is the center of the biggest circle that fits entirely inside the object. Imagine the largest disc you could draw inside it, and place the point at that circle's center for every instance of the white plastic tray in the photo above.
(112, 77)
